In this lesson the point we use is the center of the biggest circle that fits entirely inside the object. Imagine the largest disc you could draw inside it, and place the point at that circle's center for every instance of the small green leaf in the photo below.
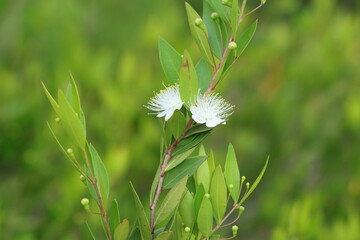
(171, 201)
(211, 162)
(200, 192)
(142, 218)
(200, 35)
(198, 128)
(218, 194)
(114, 216)
(170, 61)
(186, 209)
(254, 185)
(244, 40)
(164, 235)
(100, 173)
(122, 230)
(188, 80)
(71, 121)
(204, 75)
(52, 101)
(234, 15)
(213, 31)
(91, 188)
(177, 124)
(202, 173)
(190, 142)
(75, 96)
(174, 161)
(205, 217)
(232, 173)
(186, 168)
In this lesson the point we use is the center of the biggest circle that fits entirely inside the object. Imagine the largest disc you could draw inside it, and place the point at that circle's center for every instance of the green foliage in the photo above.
(170, 61)
(188, 79)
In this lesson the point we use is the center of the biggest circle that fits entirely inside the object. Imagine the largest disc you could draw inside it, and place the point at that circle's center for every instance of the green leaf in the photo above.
(52, 101)
(100, 174)
(204, 75)
(188, 80)
(218, 194)
(198, 128)
(232, 173)
(205, 217)
(170, 61)
(244, 40)
(144, 225)
(200, 192)
(177, 124)
(171, 201)
(174, 161)
(186, 209)
(114, 216)
(75, 96)
(234, 15)
(190, 142)
(214, 35)
(164, 235)
(254, 185)
(211, 162)
(154, 184)
(200, 35)
(186, 168)
(122, 230)
(202, 173)
(71, 121)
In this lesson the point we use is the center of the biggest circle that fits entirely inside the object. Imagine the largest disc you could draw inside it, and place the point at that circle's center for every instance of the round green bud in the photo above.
(187, 229)
(199, 23)
(263, 1)
(247, 185)
(85, 202)
(226, 3)
(243, 178)
(69, 151)
(207, 195)
(234, 230)
(241, 210)
(214, 15)
(231, 186)
(232, 45)
(58, 120)
(82, 178)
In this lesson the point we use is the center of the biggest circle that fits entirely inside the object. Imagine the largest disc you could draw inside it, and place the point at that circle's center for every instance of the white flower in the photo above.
(166, 102)
(211, 109)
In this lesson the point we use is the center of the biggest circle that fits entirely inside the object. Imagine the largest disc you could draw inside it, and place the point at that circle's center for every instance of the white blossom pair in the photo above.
(210, 110)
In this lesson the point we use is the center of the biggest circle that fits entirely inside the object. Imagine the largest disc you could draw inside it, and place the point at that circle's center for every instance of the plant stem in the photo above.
(93, 182)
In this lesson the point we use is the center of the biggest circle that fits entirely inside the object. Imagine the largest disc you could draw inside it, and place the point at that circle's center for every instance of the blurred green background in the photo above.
(296, 90)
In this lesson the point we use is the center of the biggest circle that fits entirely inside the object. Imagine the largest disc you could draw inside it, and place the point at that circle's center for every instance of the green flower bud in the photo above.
(207, 195)
(241, 210)
(82, 178)
(263, 2)
(58, 120)
(247, 185)
(187, 230)
(234, 230)
(231, 186)
(199, 23)
(226, 3)
(85, 202)
(214, 16)
(243, 179)
(69, 151)
(232, 45)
